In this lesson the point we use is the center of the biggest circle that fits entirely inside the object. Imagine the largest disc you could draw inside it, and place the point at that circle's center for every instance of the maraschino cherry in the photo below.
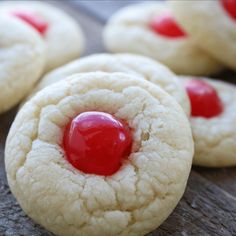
(35, 21)
(204, 99)
(97, 142)
(166, 25)
(230, 7)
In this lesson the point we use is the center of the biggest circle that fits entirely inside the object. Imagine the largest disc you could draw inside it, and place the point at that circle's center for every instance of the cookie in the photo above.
(213, 121)
(150, 29)
(22, 58)
(135, 199)
(128, 63)
(62, 35)
(211, 24)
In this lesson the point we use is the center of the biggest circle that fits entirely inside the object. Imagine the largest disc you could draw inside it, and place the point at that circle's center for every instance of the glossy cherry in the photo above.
(97, 142)
(204, 99)
(166, 25)
(230, 7)
(35, 21)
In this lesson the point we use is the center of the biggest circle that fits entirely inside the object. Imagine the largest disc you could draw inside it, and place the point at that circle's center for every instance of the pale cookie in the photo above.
(130, 30)
(62, 34)
(22, 58)
(210, 25)
(128, 63)
(215, 137)
(133, 201)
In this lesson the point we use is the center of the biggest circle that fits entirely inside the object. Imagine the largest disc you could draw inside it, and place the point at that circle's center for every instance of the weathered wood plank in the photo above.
(225, 178)
(204, 210)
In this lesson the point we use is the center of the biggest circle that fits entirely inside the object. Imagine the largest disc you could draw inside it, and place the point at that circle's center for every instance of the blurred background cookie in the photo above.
(212, 26)
(213, 119)
(62, 34)
(150, 29)
(129, 63)
(22, 59)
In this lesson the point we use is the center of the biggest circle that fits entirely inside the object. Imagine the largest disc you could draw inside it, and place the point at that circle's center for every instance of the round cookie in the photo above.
(139, 196)
(210, 25)
(63, 36)
(22, 58)
(144, 28)
(128, 63)
(215, 136)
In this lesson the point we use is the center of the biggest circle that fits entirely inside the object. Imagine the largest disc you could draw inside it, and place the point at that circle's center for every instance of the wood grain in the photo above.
(208, 206)
(224, 178)
(205, 209)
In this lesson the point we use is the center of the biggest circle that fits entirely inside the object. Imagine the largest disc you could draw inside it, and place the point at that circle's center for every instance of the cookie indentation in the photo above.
(97, 143)
(166, 25)
(204, 99)
(35, 21)
(230, 7)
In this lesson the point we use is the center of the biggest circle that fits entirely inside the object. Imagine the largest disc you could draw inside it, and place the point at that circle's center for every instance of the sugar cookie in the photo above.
(213, 121)
(211, 25)
(62, 35)
(150, 29)
(22, 58)
(134, 200)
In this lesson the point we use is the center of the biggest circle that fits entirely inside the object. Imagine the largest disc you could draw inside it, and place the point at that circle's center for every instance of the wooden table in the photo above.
(208, 206)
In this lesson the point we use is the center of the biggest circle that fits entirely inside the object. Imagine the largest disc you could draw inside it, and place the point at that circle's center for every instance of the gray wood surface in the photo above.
(208, 206)
(103, 9)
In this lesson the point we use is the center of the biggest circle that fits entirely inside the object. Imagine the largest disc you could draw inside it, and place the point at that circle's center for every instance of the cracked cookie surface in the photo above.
(128, 31)
(61, 47)
(133, 201)
(127, 63)
(22, 58)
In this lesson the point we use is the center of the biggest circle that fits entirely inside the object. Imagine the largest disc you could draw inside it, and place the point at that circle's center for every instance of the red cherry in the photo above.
(204, 99)
(35, 21)
(97, 142)
(230, 7)
(166, 25)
